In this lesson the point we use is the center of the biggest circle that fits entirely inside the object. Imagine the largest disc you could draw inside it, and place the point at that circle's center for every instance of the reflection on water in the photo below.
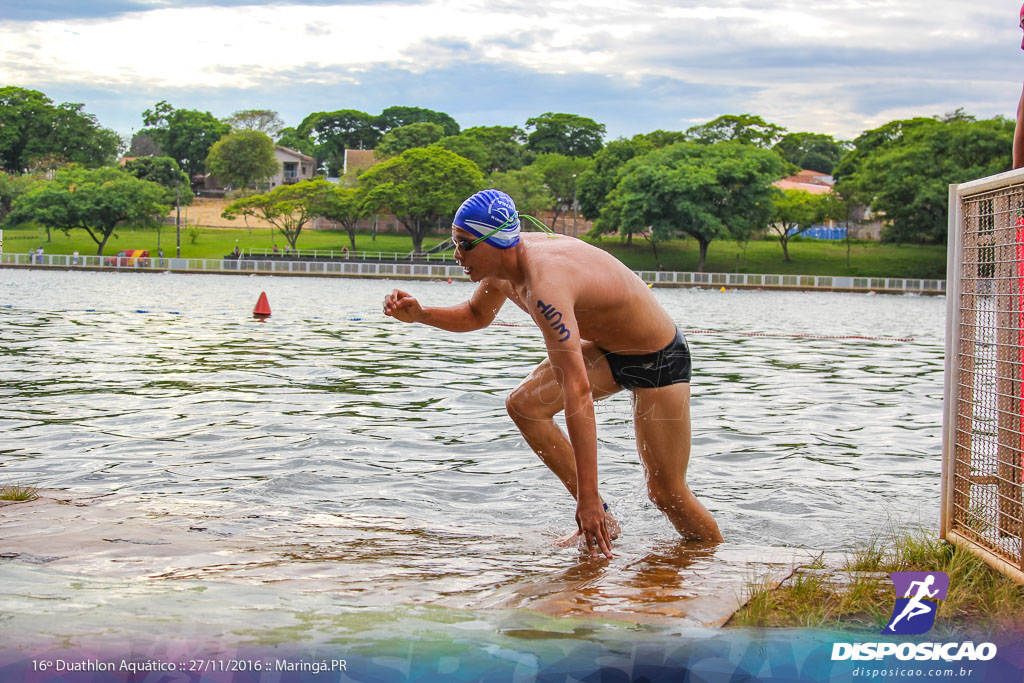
(395, 437)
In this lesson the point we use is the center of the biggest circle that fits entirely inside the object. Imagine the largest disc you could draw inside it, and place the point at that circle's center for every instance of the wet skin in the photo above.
(585, 302)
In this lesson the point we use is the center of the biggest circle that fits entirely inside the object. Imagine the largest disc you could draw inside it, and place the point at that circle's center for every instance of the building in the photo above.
(357, 160)
(808, 181)
(295, 167)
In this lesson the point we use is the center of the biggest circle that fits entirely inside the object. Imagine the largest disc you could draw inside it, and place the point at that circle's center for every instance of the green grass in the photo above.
(19, 494)
(809, 257)
(980, 601)
(211, 243)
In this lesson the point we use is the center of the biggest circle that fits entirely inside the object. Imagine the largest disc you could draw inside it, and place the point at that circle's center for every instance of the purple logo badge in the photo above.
(917, 601)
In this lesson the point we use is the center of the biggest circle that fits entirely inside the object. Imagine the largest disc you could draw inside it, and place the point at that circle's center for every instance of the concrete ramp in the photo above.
(379, 561)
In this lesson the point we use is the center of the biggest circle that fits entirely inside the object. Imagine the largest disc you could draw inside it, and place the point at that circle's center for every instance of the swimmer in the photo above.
(604, 332)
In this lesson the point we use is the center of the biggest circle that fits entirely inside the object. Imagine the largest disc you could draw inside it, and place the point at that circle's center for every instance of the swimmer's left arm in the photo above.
(556, 319)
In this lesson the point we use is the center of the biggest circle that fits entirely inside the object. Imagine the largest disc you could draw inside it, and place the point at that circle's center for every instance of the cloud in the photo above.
(838, 67)
(52, 10)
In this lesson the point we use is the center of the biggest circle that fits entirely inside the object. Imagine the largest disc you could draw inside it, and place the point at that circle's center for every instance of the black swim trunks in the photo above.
(671, 365)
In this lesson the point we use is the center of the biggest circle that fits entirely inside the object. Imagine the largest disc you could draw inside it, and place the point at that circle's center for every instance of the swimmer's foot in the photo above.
(574, 537)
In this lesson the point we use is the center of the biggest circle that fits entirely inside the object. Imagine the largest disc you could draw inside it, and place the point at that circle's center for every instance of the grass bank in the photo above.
(19, 494)
(809, 257)
(859, 596)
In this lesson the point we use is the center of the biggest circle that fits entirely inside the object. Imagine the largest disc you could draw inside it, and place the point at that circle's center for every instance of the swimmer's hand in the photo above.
(590, 518)
(577, 536)
(402, 306)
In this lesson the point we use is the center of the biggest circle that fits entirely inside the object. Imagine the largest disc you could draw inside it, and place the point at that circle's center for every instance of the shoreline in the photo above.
(717, 280)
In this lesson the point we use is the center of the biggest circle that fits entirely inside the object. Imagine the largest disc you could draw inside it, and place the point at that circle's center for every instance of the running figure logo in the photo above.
(914, 613)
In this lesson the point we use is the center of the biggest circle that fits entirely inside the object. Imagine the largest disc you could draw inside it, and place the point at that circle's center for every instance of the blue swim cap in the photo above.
(487, 210)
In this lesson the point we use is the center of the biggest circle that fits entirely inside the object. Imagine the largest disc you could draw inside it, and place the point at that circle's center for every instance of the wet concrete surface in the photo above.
(373, 561)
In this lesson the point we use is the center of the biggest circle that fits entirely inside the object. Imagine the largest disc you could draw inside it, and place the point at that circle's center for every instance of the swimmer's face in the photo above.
(476, 260)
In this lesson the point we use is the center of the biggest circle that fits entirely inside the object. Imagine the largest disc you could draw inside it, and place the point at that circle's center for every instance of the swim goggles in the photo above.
(467, 245)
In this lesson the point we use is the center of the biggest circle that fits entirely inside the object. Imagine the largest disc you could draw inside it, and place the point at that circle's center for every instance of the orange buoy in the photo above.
(262, 309)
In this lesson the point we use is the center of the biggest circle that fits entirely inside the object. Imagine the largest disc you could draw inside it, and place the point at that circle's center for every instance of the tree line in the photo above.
(712, 181)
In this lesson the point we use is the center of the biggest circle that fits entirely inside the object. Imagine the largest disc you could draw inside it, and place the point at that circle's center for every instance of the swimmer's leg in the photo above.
(661, 418)
(534, 404)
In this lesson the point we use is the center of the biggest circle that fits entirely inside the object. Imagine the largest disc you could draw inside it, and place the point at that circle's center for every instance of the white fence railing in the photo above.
(447, 256)
(399, 269)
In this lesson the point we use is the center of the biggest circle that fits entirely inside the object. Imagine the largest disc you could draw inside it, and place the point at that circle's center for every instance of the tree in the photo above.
(560, 173)
(505, 146)
(599, 179)
(596, 182)
(78, 137)
(396, 117)
(334, 132)
(568, 134)
(420, 187)
(165, 172)
(290, 138)
(97, 201)
(185, 135)
(32, 128)
(345, 206)
(467, 147)
(262, 120)
(866, 144)
(794, 212)
(527, 187)
(705, 191)
(397, 140)
(907, 175)
(287, 207)
(143, 145)
(745, 128)
(12, 187)
(813, 151)
(243, 158)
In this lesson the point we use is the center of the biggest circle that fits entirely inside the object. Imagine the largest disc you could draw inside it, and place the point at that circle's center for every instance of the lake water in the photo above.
(162, 387)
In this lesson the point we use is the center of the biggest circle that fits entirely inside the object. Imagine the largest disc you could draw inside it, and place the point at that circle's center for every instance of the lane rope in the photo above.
(785, 335)
(766, 334)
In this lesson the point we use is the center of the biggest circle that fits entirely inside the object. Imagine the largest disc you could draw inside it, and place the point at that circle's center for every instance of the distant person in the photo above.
(604, 331)
(39, 255)
(74, 258)
(1018, 131)
(160, 252)
(344, 253)
(237, 253)
(287, 250)
(31, 256)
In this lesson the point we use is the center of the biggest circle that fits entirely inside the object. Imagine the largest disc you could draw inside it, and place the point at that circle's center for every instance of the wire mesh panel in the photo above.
(984, 436)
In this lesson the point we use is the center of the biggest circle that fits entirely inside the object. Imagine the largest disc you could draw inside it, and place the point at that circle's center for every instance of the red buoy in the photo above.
(262, 309)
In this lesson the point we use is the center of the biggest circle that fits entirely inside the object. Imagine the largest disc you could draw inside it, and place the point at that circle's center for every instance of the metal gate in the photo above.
(983, 431)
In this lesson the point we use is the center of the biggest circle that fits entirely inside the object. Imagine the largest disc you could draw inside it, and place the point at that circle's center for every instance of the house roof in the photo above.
(808, 181)
(292, 152)
(358, 160)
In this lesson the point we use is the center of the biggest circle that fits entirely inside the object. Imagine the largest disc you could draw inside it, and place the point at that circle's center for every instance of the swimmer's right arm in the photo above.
(470, 315)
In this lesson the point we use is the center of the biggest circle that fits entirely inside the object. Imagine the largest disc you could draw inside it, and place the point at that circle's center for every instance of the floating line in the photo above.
(786, 335)
(766, 334)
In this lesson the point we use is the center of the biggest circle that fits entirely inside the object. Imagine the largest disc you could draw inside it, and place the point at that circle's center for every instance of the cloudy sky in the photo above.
(827, 66)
